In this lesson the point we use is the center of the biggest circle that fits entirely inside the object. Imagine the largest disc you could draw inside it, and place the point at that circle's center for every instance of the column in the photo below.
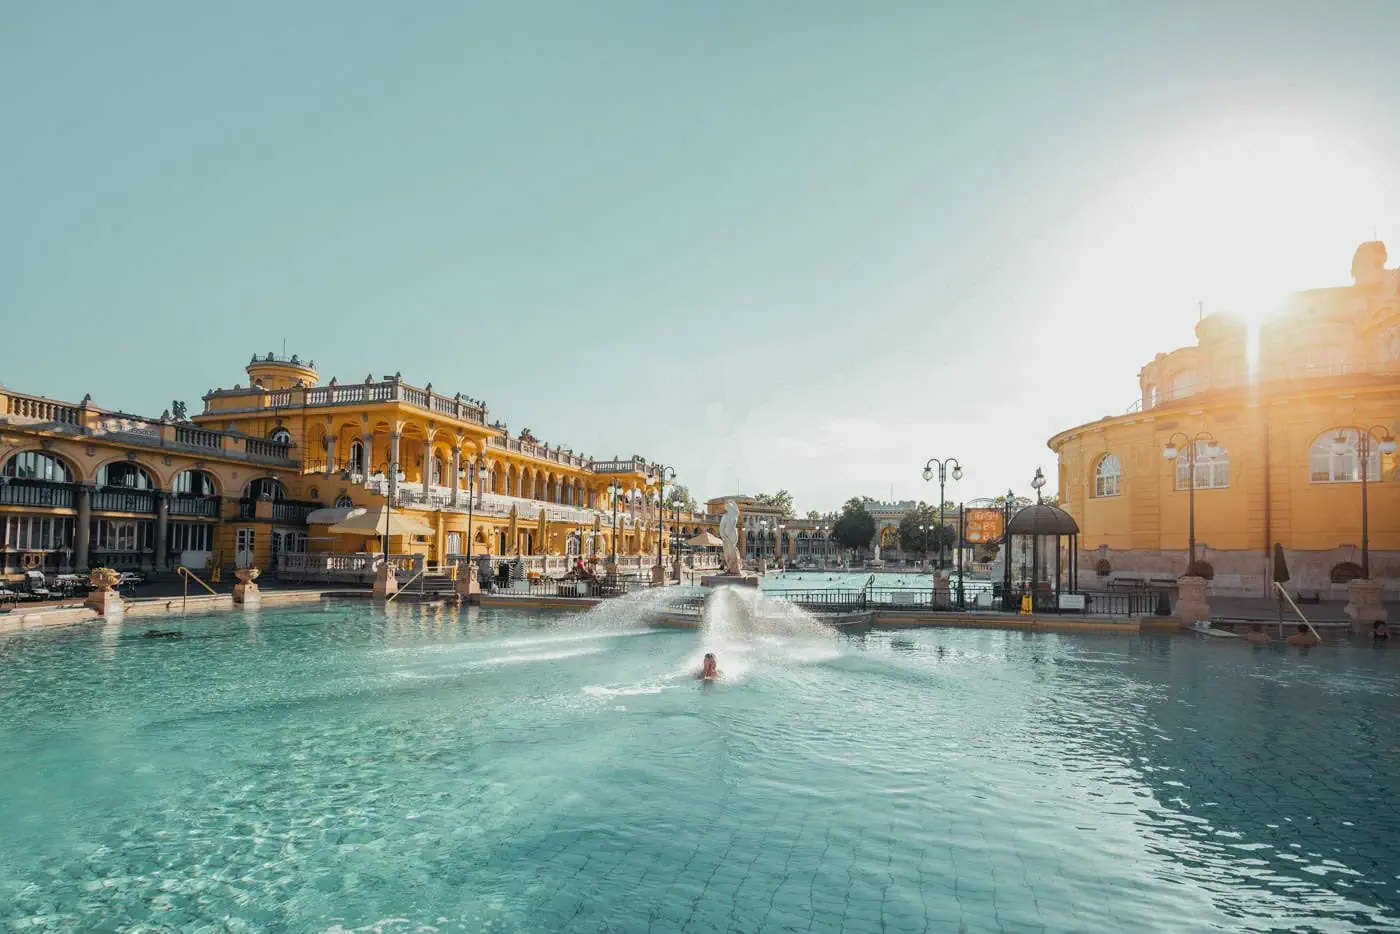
(82, 529)
(393, 465)
(456, 467)
(367, 447)
(329, 443)
(162, 528)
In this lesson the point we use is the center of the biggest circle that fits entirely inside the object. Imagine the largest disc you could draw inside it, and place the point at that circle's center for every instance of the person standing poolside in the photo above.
(1380, 632)
(1304, 637)
(1257, 634)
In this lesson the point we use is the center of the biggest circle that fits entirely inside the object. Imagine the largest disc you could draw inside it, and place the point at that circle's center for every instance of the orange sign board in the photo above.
(983, 525)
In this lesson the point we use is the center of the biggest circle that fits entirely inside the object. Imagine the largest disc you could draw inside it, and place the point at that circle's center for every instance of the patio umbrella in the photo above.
(371, 523)
(704, 540)
(1280, 565)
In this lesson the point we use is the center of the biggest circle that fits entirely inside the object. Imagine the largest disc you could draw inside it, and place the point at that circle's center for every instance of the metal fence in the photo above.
(990, 600)
(597, 588)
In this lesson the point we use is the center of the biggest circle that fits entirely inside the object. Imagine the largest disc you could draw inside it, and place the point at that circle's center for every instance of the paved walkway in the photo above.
(1265, 609)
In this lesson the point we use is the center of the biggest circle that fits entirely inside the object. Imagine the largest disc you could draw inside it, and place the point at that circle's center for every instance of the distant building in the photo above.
(1280, 448)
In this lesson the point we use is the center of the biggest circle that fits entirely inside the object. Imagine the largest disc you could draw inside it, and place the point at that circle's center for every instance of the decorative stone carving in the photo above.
(386, 582)
(246, 592)
(102, 598)
(1191, 602)
(1364, 606)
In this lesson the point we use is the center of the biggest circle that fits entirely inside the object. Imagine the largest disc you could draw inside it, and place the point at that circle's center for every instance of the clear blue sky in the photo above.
(801, 245)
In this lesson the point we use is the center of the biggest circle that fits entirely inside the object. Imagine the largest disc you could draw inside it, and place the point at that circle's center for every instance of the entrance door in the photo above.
(243, 548)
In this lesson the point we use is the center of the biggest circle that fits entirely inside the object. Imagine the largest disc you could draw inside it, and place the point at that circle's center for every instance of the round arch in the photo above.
(194, 482)
(123, 474)
(38, 464)
(265, 488)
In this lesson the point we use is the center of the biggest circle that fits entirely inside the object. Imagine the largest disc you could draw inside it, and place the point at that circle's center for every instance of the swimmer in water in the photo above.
(709, 670)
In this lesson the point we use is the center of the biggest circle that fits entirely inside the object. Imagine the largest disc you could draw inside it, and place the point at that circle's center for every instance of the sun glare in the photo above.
(1234, 218)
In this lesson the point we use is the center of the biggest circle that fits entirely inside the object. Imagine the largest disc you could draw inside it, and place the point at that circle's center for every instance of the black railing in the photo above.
(247, 508)
(114, 499)
(595, 588)
(292, 511)
(979, 598)
(188, 504)
(19, 491)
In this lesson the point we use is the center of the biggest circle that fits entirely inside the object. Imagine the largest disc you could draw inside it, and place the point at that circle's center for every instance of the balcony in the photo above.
(390, 390)
(37, 409)
(184, 504)
(16, 491)
(113, 499)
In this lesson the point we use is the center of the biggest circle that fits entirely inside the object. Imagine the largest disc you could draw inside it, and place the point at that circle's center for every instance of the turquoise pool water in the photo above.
(339, 768)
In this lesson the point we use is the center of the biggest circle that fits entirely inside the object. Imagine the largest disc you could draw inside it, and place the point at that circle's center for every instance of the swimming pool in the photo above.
(339, 768)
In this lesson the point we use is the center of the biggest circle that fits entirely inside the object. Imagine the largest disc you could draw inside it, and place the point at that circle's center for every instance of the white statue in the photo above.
(729, 536)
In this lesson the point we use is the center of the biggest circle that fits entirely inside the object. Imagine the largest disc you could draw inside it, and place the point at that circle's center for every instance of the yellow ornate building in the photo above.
(1283, 425)
(262, 474)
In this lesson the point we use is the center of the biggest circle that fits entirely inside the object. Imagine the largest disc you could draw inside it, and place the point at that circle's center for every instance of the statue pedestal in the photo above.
(940, 589)
(729, 580)
(245, 592)
(658, 574)
(676, 569)
(1191, 603)
(386, 583)
(761, 566)
(1364, 607)
(102, 598)
(106, 602)
(467, 585)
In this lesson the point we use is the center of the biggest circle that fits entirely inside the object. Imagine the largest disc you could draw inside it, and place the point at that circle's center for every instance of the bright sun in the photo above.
(1235, 217)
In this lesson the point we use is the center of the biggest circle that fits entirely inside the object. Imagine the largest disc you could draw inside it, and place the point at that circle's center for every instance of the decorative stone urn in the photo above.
(102, 598)
(245, 591)
(1191, 602)
(1365, 607)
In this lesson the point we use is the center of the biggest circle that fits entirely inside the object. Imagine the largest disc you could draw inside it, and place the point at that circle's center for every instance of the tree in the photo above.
(814, 515)
(781, 501)
(932, 537)
(679, 498)
(855, 527)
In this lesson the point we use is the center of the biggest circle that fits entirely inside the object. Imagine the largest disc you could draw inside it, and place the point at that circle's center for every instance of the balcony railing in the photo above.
(293, 511)
(199, 438)
(185, 504)
(17, 491)
(275, 450)
(112, 499)
(632, 465)
(41, 410)
(542, 451)
(391, 390)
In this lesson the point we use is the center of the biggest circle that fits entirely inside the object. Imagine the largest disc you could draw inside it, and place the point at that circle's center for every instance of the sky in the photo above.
(795, 245)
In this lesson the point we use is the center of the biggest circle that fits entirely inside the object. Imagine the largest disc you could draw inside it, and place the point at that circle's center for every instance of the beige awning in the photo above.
(704, 540)
(371, 522)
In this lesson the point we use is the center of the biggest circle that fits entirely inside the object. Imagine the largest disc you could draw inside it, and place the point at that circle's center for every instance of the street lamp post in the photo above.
(661, 510)
(472, 469)
(1171, 452)
(391, 468)
(942, 478)
(612, 545)
(1361, 449)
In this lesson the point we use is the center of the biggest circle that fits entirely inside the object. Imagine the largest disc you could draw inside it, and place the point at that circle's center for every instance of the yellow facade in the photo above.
(284, 448)
(1278, 419)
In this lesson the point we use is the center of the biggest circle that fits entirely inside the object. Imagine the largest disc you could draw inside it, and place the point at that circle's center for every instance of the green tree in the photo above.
(854, 528)
(781, 501)
(911, 538)
(813, 514)
(679, 498)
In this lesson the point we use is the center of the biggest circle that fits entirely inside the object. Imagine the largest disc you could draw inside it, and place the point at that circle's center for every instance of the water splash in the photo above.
(748, 631)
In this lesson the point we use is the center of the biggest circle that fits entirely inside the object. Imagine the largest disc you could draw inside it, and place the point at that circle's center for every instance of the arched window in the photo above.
(1332, 458)
(357, 456)
(1151, 394)
(193, 483)
(1183, 384)
(344, 502)
(1212, 467)
(1108, 476)
(280, 436)
(38, 465)
(124, 475)
(265, 488)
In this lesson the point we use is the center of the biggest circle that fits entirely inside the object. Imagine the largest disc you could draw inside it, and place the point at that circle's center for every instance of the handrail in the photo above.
(1306, 621)
(186, 573)
(406, 583)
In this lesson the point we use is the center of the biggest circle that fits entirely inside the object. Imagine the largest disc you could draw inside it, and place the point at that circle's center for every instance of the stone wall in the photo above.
(1242, 573)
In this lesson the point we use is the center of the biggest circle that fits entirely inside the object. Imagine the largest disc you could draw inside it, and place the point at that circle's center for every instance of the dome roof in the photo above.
(1043, 519)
